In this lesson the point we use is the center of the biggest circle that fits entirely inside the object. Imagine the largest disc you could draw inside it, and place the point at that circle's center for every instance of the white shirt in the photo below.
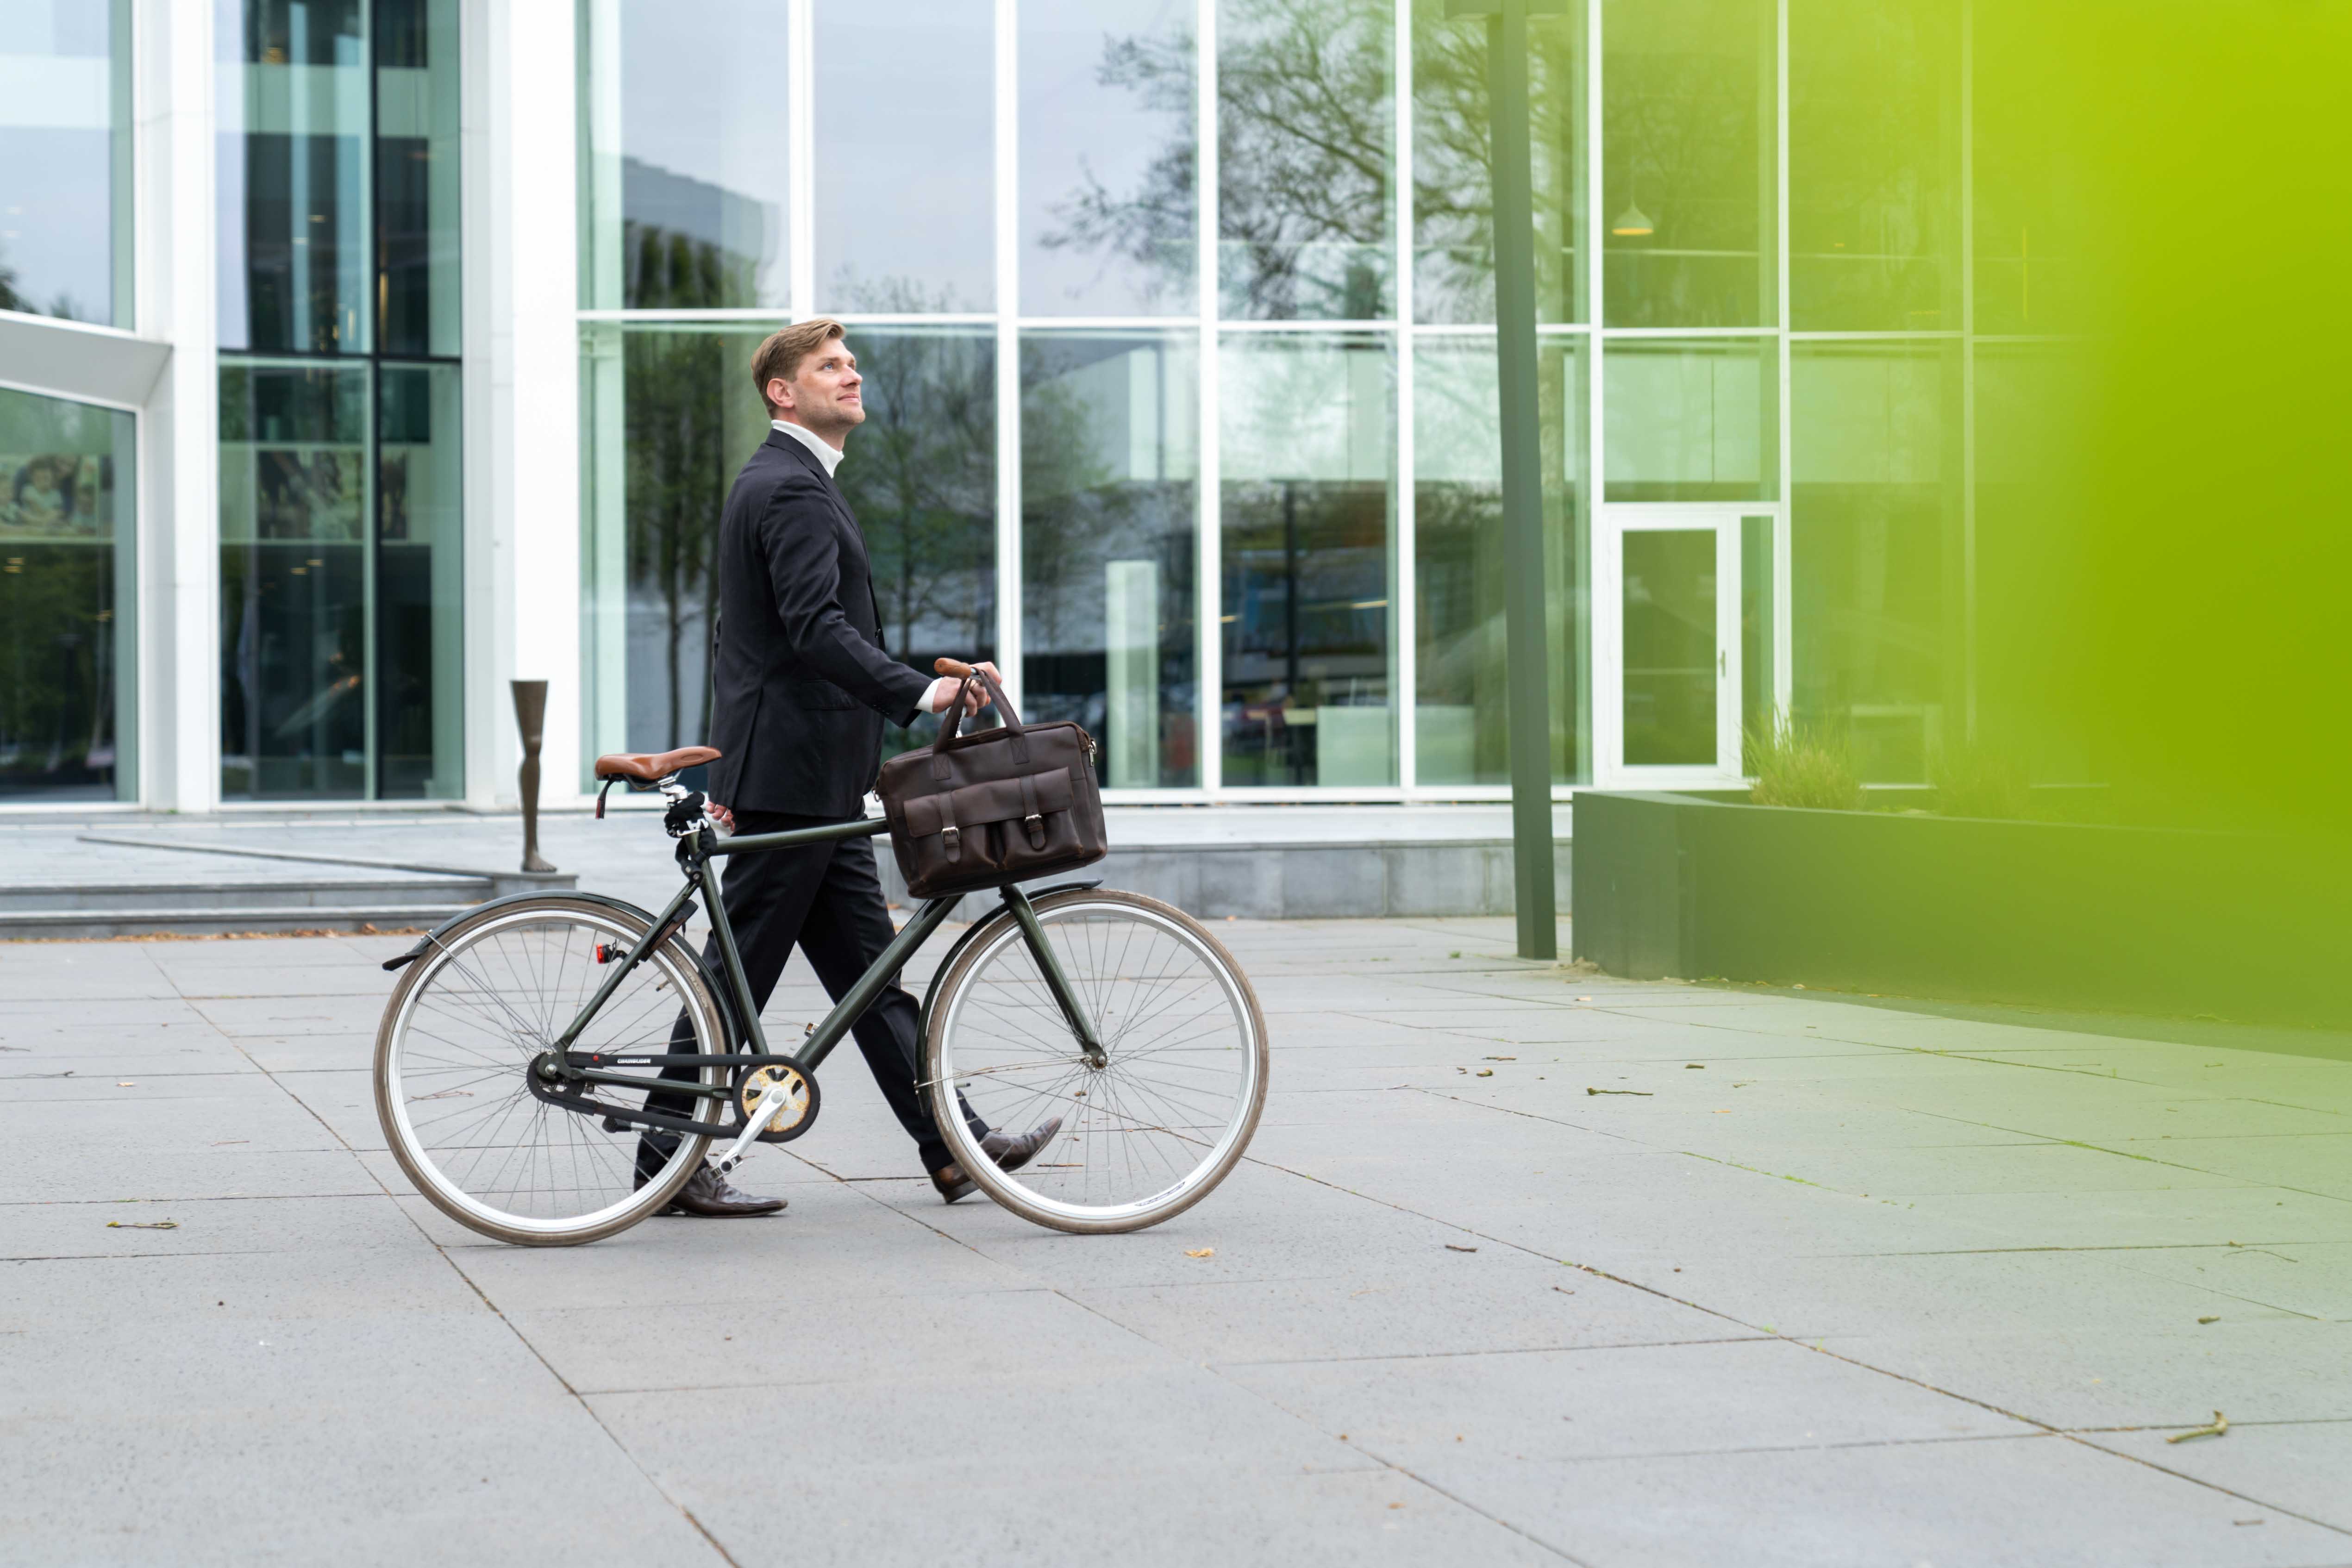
(826, 453)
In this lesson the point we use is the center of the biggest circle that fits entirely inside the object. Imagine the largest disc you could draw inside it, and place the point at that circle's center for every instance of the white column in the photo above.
(179, 484)
(529, 457)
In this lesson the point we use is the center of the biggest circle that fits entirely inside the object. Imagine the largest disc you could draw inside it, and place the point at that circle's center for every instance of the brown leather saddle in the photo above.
(643, 769)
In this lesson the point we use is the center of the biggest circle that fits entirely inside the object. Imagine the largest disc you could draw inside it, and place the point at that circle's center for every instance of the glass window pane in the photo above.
(1873, 165)
(671, 419)
(1110, 468)
(417, 174)
(294, 575)
(419, 585)
(293, 176)
(65, 160)
(1876, 503)
(1309, 459)
(1461, 706)
(1758, 628)
(68, 601)
(1691, 419)
(2031, 214)
(1452, 194)
(1689, 150)
(906, 158)
(1109, 212)
(687, 193)
(1668, 591)
(1306, 218)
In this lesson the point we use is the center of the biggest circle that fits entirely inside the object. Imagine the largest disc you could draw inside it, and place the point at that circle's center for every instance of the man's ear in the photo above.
(777, 406)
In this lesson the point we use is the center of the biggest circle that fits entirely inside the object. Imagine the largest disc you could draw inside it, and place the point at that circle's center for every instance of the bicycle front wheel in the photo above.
(1153, 1130)
(459, 1038)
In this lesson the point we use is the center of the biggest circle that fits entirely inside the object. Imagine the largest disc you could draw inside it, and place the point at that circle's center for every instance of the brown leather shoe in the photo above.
(1009, 1153)
(708, 1194)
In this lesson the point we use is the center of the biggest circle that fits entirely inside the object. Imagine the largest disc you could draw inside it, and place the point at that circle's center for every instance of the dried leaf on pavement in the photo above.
(2220, 1428)
(1200, 1252)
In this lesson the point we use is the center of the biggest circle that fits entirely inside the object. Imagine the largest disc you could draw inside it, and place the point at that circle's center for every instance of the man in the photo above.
(800, 687)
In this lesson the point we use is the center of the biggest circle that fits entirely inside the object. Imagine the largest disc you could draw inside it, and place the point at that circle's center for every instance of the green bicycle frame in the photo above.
(699, 852)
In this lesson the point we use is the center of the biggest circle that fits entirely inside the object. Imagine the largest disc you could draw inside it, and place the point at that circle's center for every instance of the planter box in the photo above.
(2137, 919)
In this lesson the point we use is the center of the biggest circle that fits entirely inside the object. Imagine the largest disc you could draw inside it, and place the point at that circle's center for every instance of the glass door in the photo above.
(1677, 629)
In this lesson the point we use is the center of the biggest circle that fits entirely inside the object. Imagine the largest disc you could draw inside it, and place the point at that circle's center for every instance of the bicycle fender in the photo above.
(931, 992)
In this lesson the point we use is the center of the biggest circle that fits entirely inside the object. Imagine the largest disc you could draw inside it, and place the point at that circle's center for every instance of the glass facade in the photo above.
(341, 534)
(1195, 419)
(68, 646)
(65, 159)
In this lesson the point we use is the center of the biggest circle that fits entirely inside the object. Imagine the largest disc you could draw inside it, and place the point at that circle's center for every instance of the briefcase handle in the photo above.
(1004, 705)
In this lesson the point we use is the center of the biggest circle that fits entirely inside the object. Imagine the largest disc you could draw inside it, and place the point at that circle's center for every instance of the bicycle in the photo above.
(503, 1065)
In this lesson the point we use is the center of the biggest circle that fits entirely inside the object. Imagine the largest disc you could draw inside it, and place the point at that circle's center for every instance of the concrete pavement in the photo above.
(1815, 1281)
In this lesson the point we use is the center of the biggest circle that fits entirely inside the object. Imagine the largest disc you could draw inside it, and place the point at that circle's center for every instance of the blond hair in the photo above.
(780, 354)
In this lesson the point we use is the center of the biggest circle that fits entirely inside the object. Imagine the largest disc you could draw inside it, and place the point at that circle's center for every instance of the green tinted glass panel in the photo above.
(1690, 162)
(1694, 419)
(1668, 605)
(1873, 165)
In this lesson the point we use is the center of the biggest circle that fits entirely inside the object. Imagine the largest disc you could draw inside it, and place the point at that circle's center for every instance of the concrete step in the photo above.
(316, 892)
(87, 925)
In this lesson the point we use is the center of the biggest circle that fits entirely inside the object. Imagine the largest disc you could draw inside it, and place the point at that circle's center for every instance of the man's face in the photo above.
(825, 395)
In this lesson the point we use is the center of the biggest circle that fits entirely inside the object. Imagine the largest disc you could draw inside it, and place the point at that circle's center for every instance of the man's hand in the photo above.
(944, 689)
(720, 815)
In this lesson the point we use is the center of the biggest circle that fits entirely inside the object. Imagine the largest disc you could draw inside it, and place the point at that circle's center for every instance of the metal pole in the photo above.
(1526, 654)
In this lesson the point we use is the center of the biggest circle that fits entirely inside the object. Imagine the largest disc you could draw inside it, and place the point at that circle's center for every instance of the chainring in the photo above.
(797, 1114)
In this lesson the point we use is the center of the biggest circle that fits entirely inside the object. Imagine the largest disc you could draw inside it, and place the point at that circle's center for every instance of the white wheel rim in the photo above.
(1217, 1154)
(427, 1170)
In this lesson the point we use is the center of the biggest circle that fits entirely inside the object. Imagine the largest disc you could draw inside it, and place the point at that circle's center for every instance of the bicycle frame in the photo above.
(698, 853)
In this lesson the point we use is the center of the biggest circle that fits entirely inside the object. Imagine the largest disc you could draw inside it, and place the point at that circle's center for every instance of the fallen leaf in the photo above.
(2220, 1428)
(1396, 1505)
(2209, 1319)
(1642, 1092)
(1200, 1252)
(1451, 1248)
(142, 1225)
(1695, 1067)
(1584, 998)
(1485, 1073)
(133, 1083)
(1502, 1059)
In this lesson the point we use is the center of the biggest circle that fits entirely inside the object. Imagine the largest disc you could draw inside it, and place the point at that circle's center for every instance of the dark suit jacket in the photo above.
(800, 683)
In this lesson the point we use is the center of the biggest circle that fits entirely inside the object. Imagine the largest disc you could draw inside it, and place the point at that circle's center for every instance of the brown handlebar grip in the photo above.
(951, 667)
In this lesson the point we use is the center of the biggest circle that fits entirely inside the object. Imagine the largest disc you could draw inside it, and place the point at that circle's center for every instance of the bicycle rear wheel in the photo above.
(459, 1038)
(1144, 1136)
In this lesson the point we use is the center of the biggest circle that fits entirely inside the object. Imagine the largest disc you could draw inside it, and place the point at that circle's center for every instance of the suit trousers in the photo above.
(827, 898)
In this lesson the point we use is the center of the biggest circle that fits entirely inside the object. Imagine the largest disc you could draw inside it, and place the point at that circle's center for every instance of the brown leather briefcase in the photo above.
(993, 806)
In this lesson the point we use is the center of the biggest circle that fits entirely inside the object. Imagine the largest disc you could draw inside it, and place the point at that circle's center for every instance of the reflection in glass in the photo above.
(1691, 419)
(1109, 462)
(686, 195)
(1109, 209)
(1308, 455)
(1876, 503)
(1689, 173)
(670, 419)
(294, 577)
(293, 176)
(419, 605)
(1873, 165)
(417, 175)
(1452, 194)
(906, 159)
(1305, 221)
(1461, 707)
(1669, 591)
(65, 160)
(68, 601)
